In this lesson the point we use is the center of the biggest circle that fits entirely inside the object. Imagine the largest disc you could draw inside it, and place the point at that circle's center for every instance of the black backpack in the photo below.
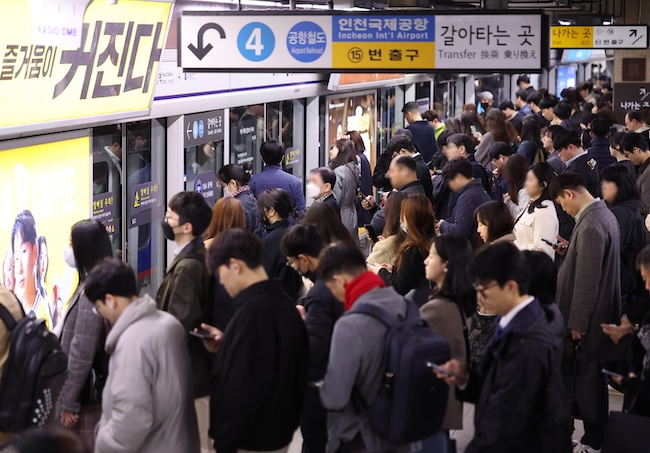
(412, 401)
(33, 377)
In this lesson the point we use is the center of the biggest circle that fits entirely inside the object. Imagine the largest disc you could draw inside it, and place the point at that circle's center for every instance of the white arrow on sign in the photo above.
(189, 130)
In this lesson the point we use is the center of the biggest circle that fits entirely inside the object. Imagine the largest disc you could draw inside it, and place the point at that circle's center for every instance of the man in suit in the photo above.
(635, 148)
(403, 145)
(423, 132)
(184, 290)
(589, 293)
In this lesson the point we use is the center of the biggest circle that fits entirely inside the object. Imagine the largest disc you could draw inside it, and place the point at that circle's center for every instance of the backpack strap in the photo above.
(412, 313)
(7, 318)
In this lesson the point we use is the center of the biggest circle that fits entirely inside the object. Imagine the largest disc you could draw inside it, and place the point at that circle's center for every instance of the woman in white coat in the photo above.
(539, 220)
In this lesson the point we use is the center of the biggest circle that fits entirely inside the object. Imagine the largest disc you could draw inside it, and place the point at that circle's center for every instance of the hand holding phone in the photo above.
(200, 333)
(372, 233)
(611, 374)
(442, 370)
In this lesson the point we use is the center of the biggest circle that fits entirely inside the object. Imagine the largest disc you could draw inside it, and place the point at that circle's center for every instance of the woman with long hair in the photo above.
(365, 183)
(622, 196)
(416, 221)
(386, 250)
(275, 208)
(343, 160)
(496, 131)
(539, 220)
(234, 179)
(495, 222)
(470, 124)
(531, 146)
(453, 299)
(82, 333)
(515, 173)
(328, 223)
(227, 213)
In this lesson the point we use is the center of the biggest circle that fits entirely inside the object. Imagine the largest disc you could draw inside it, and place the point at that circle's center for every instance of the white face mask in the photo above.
(68, 257)
(312, 190)
(97, 189)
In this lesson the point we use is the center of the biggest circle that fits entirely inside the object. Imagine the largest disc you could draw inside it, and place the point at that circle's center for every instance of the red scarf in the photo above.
(360, 286)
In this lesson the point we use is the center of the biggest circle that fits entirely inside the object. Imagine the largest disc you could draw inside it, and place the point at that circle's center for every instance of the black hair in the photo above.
(26, 226)
(455, 167)
(42, 243)
(500, 149)
(643, 258)
(636, 115)
(110, 276)
(507, 105)
(272, 152)
(544, 174)
(634, 140)
(566, 181)
(515, 173)
(431, 115)
(341, 258)
(530, 130)
(542, 276)
(619, 175)
(443, 137)
(235, 244)
(600, 126)
(398, 142)
(586, 87)
(411, 107)
(457, 251)
(523, 94)
(278, 199)
(328, 223)
(534, 98)
(616, 140)
(302, 239)
(497, 217)
(407, 162)
(464, 140)
(566, 137)
(326, 174)
(116, 137)
(501, 262)
(548, 102)
(467, 120)
(241, 174)
(523, 78)
(192, 208)
(90, 244)
(563, 110)
(553, 130)
(347, 153)
(47, 440)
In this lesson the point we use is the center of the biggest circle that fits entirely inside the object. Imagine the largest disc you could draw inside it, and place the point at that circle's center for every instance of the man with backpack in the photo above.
(184, 290)
(376, 404)
(518, 389)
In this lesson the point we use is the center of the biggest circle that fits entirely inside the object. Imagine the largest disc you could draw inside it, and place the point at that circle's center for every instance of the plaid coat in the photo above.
(589, 281)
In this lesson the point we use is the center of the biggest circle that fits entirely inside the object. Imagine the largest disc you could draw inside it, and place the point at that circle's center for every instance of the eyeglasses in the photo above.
(95, 311)
(290, 262)
(481, 289)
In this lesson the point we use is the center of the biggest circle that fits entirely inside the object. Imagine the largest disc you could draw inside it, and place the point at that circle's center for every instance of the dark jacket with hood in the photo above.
(518, 389)
(275, 262)
(249, 203)
(628, 214)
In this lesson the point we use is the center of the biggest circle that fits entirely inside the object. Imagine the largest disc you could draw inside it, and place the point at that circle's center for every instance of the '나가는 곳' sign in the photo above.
(414, 41)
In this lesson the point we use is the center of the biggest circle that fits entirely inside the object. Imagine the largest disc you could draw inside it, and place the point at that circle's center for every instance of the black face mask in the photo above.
(485, 105)
(168, 231)
(310, 275)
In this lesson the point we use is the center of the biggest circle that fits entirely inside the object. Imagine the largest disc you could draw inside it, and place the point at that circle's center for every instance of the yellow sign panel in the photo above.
(44, 190)
(570, 37)
(382, 55)
(112, 71)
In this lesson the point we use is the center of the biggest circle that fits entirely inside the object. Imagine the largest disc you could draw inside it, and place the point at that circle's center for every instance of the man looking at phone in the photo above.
(302, 245)
(589, 293)
(260, 375)
(184, 290)
(519, 397)
(147, 404)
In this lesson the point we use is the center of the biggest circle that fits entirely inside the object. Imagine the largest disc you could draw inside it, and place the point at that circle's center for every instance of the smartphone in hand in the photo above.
(442, 370)
(200, 333)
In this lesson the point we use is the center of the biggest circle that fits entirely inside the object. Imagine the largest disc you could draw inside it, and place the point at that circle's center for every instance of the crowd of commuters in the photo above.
(490, 229)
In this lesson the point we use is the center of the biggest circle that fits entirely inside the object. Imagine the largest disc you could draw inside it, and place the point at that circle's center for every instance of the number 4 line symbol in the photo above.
(199, 50)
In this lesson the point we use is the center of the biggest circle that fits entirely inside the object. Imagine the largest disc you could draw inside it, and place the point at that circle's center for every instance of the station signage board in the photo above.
(599, 37)
(201, 128)
(631, 97)
(373, 42)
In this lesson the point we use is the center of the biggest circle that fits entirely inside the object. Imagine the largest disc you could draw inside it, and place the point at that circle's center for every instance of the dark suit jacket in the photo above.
(184, 294)
(424, 176)
(589, 280)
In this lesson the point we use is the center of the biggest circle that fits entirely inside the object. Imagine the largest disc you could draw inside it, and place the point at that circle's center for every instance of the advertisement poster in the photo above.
(355, 113)
(44, 190)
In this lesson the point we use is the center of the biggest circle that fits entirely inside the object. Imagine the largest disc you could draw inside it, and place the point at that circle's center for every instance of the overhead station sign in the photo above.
(599, 37)
(348, 42)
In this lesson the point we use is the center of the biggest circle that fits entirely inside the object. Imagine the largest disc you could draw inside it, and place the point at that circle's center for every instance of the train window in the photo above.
(107, 182)
(423, 95)
(386, 116)
(201, 166)
(145, 192)
(247, 133)
(292, 133)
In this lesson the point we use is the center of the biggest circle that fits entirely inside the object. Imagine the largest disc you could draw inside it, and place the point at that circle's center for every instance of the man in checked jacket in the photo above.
(588, 294)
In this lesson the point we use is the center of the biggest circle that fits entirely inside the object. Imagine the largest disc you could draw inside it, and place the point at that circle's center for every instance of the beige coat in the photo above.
(444, 318)
(383, 252)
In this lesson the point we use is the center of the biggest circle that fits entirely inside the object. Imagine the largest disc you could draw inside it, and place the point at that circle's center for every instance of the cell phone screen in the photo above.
(202, 334)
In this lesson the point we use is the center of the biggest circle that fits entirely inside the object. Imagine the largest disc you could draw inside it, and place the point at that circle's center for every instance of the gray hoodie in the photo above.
(147, 401)
(356, 360)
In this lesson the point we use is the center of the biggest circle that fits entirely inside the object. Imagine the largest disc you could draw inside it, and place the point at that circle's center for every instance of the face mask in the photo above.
(226, 191)
(403, 226)
(168, 231)
(97, 189)
(485, 105)
(312, 190)
(68, 257)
